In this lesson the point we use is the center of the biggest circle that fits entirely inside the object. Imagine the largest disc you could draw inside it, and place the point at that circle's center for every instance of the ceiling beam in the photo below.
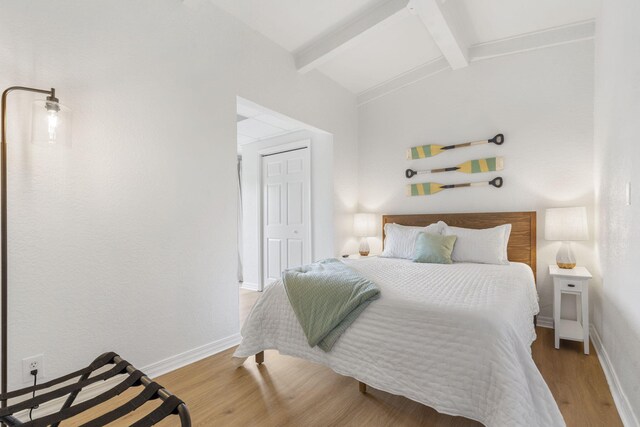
(442, 28)
(330, 45)
(540, 39)
(572, 33)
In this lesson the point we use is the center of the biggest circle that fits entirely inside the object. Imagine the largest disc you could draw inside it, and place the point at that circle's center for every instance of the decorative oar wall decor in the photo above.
(428, 188)
(423, 151)
(490, 164)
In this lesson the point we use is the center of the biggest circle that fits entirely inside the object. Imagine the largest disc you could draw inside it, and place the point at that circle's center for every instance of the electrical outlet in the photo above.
(31, 363)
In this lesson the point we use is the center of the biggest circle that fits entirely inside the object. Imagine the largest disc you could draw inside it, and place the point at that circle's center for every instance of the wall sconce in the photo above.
(57, 119)
(51, 124)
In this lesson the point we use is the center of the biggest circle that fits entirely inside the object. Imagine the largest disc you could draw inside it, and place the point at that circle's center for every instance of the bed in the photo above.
(454, 337)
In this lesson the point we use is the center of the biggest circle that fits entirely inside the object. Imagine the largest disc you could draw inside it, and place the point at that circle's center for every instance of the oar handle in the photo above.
(410, 173)
(498, 139)
(449, 169)
(496, 182)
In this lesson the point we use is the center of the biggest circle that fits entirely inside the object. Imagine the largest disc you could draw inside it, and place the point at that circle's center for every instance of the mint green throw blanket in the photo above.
(327, 297)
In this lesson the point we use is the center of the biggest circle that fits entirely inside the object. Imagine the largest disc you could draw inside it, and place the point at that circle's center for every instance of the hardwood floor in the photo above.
(286, 391)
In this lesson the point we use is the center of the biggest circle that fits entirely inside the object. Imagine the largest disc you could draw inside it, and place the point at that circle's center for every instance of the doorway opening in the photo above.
(285, 183)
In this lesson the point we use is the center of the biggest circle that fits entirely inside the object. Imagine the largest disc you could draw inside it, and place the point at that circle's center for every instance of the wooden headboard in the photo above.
(522, 242)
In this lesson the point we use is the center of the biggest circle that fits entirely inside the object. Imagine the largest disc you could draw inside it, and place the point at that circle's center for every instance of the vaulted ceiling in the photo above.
(371, 46)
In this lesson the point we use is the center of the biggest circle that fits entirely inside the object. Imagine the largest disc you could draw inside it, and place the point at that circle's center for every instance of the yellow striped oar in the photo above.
(490, 164)
(428, 188)
(422, 151)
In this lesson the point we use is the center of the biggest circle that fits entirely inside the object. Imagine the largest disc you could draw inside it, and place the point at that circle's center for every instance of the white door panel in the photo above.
(274, 169)
(295, 194)
(294, 252)
(286, 212)
(273, 256)
(273, 201)
(294, 166)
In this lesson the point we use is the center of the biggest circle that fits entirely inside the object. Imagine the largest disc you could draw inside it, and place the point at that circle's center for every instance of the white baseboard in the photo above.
(188, 357)
(153, 370)
(250, 286)
(545, 322)
(625, 410)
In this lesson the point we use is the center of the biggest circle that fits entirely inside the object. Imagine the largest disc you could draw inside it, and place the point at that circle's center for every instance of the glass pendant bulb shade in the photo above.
(50, 123)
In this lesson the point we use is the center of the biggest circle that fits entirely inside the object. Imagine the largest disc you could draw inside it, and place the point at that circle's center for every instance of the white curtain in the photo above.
(240, 277)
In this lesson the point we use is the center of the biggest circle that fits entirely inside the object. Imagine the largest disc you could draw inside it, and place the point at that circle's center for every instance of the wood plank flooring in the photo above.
(285, 391)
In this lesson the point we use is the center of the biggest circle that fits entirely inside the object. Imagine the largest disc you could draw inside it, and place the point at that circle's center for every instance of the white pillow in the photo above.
(486, 246)
(400, 240)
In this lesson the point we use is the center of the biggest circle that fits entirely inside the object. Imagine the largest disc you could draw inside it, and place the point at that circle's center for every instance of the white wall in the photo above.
(322, 230)
(617, 128)
(541, 100)
(127, 241)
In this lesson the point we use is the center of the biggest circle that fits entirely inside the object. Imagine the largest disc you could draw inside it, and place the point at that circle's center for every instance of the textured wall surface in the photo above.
(541, 100)
(617, 126)
(127, 240)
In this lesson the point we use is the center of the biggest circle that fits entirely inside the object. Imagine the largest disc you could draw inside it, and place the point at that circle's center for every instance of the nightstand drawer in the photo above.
(568, 285)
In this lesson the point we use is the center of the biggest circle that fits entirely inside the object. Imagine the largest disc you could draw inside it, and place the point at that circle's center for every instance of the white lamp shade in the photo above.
(364, 224)
(47, 128)
(566, 224)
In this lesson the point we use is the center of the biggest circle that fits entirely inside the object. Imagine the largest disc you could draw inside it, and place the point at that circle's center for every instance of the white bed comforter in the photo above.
(454, 337)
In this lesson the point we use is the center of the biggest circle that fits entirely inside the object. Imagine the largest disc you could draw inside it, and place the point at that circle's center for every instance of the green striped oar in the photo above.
(422, 151)
(428, 188)
(490, 164)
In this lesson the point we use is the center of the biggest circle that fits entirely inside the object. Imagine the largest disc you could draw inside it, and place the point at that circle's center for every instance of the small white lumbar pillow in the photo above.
(400, 240)
(484, 246)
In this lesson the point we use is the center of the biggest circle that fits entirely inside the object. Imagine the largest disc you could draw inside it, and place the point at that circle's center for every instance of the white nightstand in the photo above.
(571, 281)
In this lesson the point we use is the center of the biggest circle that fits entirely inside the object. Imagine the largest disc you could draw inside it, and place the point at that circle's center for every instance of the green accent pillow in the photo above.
(434, 248)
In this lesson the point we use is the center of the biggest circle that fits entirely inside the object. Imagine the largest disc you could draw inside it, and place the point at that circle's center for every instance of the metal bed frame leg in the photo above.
(10, 421)
(72, 396)
(185, 417)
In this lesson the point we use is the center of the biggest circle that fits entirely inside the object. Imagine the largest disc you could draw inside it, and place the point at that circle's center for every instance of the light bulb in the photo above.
(53, 125)
(52, 107)
(50, 122)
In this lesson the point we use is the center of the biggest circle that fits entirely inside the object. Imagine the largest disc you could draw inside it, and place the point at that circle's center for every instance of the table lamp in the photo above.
(566, 225)
(364, 226)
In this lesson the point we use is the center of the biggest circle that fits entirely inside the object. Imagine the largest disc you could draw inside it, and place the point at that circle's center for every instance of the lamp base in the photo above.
(566, 266)
(565, 258)
(364, 247)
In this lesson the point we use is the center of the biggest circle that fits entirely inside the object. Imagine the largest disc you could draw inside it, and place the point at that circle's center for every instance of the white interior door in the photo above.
(285, 212)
